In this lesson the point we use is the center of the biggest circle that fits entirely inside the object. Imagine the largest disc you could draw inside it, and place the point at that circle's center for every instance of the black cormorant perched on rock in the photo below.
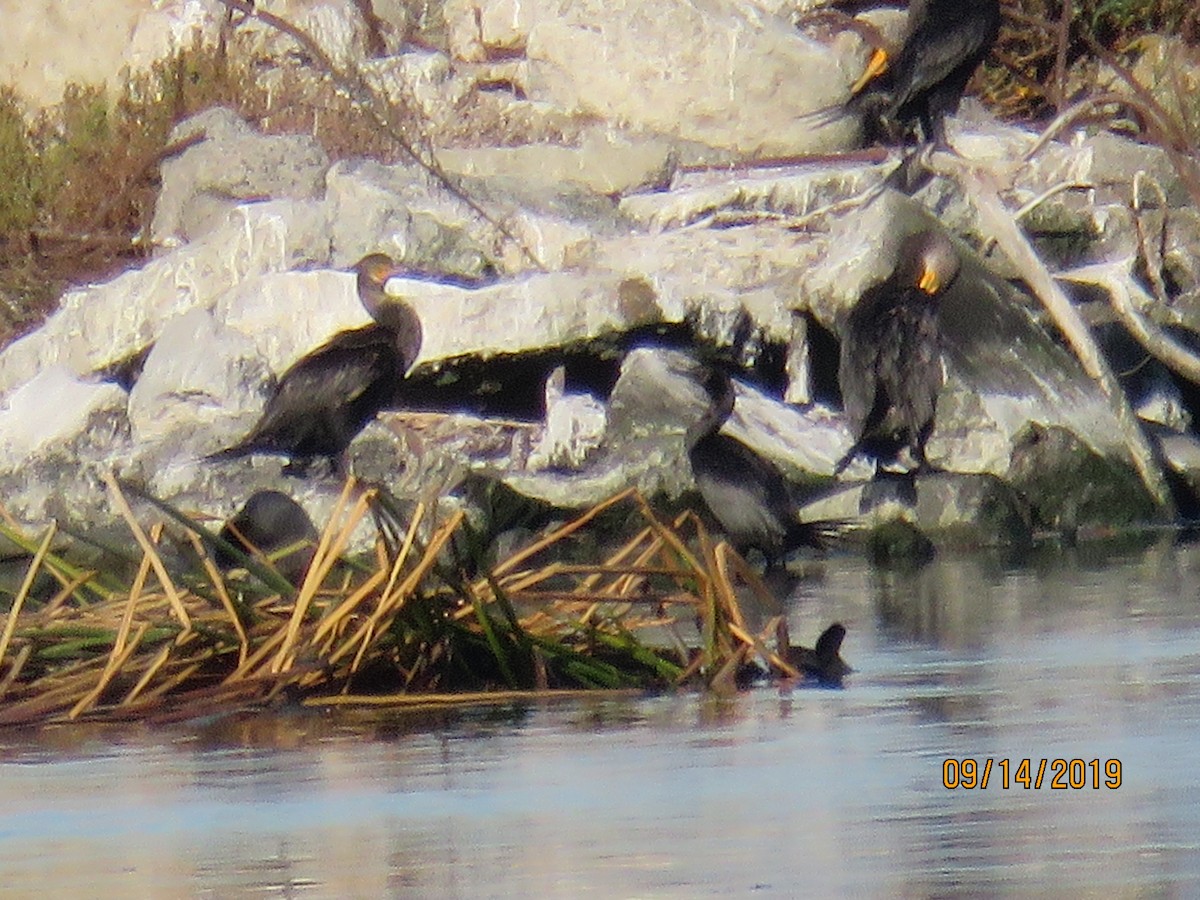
(271, 521)
(890, 369)
(746, 494)
(326, 398)
(945, 43)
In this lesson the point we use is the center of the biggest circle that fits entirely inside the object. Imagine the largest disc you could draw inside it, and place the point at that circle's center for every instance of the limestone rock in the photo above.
(336, 26)
(288, 314)
(606, 163)
(233, 164)
(57, 434)
(100, 325)
(950, 509)
(399, 210)
(198, 372)
(575, 425)
(713, 72)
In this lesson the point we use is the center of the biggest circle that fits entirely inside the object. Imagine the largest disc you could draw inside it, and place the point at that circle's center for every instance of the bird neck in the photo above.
(402, 320)
(393, 314)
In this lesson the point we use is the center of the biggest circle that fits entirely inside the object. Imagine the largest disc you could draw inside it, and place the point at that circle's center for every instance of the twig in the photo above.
(1060, 56)
(1169, 136)
(1153, 266)
(26, 586)
(1126, 295)
(155, 560)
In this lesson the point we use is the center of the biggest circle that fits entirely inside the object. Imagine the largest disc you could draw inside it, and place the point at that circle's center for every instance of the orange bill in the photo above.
(876, 66)
(929, 281)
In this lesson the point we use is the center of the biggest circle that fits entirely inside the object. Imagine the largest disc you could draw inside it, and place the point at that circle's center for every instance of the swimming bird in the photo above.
(270, 521)
(824, 662)
(945, 42)
(326, 398)
(746, 494)
(890, 370)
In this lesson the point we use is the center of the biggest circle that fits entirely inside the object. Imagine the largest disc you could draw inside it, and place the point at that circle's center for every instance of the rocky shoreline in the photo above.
(663, 226)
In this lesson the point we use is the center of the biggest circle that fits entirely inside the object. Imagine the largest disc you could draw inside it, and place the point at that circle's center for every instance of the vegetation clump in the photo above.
(413, 624)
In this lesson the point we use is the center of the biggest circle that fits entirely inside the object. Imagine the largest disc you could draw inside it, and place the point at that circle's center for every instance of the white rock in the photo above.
(574, 427)
(715, 72)
(51, 410)
(97, 326)
(198, 373)
(288, 314)
(336, 26)
(399, 210)
(173, 25)
(532, 313)
(232, 165)
(605, 162)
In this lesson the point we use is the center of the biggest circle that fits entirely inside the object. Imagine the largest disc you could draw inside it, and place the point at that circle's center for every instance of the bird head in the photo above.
(373, 273)
(928, 262)
(392, 312)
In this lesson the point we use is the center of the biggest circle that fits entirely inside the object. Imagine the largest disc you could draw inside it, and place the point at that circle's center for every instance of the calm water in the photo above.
(1088, 654)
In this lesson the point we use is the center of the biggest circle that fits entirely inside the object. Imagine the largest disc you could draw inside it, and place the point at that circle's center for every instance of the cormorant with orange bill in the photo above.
(890, 370)
(325, 399)
(945, 43)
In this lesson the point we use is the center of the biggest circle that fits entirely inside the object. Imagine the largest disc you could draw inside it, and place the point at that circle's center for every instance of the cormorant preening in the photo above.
(271, 521)
(890, 369)
(745, 493)
(945, 43)
(326, 398)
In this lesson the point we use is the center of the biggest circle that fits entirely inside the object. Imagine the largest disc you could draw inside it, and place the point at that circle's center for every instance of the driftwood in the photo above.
(995, 219)
(1128, 298)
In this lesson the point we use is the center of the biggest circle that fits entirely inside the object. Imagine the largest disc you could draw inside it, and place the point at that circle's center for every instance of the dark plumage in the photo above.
(325, 399)
(890, 369)
(823, 663)
(271, 521)
(745, 493)
(945, 43)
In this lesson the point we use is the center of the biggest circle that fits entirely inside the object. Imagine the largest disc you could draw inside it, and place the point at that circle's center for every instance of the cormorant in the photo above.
(945, 43)
(890, 369)
(268, 522)
(745, 493)
(326, 398)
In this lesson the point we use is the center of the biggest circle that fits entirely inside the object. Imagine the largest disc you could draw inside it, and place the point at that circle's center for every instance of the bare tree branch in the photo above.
(1126, 296)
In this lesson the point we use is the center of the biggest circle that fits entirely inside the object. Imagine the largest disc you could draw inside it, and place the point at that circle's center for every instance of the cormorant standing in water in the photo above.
(326, 398)
(890, 369)
(946, 41)
(745, 493)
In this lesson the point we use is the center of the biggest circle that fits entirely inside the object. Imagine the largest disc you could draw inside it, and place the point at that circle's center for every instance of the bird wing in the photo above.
(858, 362)
(956, 37)
(331, 377)
(744, 492)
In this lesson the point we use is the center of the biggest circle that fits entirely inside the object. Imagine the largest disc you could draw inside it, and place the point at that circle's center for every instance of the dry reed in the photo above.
(411, 627)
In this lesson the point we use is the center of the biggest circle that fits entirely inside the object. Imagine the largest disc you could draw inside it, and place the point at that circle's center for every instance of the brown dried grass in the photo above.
(396, 630)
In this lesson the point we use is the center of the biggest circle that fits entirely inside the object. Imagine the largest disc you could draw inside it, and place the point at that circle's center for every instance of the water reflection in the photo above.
(1078, 654)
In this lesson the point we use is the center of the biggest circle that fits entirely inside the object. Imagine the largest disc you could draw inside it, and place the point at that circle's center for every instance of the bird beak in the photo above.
(386, 275)
(929, 281)
(876, 66)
